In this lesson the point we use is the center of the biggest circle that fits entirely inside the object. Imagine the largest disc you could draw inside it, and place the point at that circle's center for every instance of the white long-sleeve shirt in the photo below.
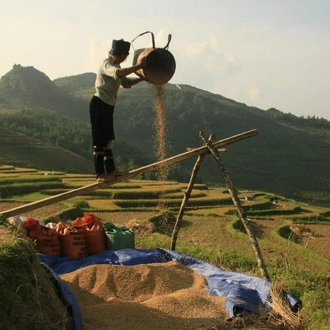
(107, 82)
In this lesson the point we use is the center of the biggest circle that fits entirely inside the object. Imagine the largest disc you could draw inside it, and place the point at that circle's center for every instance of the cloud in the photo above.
(214, 58)
(97, 51)
(253, 94)
(162, 37)
(197, 50)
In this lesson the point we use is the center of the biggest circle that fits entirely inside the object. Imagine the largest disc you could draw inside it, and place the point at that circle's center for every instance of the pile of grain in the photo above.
(150, 296)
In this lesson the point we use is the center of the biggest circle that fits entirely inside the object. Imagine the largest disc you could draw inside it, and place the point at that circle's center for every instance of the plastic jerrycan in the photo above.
(118, 237)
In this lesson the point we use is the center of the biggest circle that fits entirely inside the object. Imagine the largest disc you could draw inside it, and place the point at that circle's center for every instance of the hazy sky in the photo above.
(265, 53)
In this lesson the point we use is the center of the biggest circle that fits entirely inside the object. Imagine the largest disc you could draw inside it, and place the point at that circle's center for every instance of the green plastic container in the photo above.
(118, 237)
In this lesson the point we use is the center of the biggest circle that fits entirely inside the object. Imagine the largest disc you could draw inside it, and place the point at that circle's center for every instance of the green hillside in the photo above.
(23, 151)
(288, 157)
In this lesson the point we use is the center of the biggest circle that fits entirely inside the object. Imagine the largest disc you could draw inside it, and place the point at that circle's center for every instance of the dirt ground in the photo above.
(38, 213)
(6, 235)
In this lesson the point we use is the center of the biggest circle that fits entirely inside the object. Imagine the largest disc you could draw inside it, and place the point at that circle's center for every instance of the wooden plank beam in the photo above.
(148, 168)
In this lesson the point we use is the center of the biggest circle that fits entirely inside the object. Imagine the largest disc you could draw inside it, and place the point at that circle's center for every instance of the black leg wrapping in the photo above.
(109, 164)
(98, 155)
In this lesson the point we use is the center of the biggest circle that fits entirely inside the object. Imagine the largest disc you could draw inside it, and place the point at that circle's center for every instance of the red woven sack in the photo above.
(72, 240)
(95, 238)
(46, 238)
(94, 233)
(31, 224)
(87, 220)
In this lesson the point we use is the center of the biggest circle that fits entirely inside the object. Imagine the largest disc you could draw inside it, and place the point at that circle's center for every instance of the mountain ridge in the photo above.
(27, 87)
(289, 156)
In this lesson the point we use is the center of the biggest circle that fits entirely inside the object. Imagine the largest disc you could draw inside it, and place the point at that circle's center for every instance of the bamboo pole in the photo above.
(148, 168)
(186, 197)
(191, 153)
(240, 210)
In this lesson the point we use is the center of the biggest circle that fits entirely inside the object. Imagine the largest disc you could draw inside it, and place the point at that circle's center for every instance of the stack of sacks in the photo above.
(85, 236)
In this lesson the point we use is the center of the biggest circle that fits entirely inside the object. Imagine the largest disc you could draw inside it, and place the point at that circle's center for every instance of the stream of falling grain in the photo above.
(161, 140)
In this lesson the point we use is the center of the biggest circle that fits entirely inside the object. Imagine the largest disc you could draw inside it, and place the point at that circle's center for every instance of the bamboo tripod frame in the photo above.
(235, 199)
(148, 168)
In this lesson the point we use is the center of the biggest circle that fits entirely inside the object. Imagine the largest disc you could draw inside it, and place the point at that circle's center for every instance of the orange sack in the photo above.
(72, 240)
(94, 233)
(46, 238)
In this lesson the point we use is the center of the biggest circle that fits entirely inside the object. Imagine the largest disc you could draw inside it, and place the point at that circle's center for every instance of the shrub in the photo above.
(164, 222)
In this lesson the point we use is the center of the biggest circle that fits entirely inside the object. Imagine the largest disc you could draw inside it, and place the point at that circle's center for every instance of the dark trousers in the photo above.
(101, 116)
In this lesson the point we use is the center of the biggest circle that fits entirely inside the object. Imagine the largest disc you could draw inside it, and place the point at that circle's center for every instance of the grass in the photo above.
(281, 309)
(211, 231)
(29, 298)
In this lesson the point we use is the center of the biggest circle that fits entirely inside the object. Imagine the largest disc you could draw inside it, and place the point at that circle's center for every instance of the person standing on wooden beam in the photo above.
(110, 76)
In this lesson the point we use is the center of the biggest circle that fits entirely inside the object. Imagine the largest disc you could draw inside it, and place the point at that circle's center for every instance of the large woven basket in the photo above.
(160, 62)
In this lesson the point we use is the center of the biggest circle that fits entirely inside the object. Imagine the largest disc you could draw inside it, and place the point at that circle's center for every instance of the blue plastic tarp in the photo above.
(244, 293)
(66, 295)
(127, 257)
